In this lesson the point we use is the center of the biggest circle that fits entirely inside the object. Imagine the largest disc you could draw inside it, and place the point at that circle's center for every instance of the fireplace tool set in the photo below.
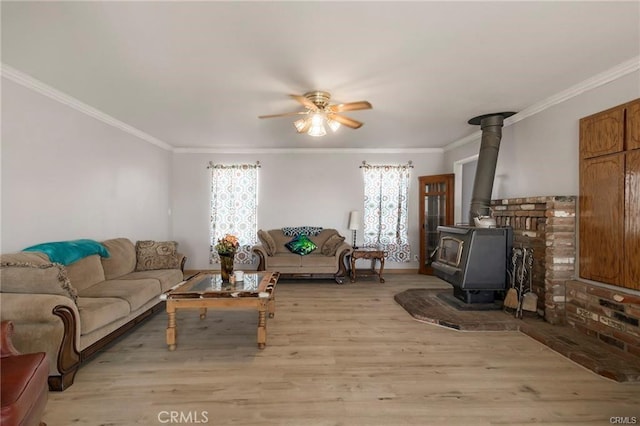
(520, 295)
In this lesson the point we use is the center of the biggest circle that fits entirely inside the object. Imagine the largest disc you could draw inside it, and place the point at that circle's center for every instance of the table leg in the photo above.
(203, 313)
(381, 268)
(353, 269)
(271, 307)
(262, 324)
(171, 327)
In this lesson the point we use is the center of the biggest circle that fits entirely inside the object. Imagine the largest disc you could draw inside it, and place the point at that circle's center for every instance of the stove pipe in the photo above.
(491, 126)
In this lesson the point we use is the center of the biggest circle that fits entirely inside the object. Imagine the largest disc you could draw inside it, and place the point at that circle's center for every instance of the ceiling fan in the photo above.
(318, 112)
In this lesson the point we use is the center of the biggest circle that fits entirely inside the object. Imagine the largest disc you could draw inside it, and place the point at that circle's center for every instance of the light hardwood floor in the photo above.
(335, 355)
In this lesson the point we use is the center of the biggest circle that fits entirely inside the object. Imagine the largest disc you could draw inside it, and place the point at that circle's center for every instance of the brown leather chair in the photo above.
(24, 389)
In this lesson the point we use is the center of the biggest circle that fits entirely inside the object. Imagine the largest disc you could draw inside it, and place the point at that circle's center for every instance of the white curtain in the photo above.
(386, 189)
(234, 207)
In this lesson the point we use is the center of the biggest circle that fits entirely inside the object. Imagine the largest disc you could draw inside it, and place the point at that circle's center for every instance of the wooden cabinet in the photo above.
(602, 218)
(602, 133)
(610, 196)
(436, 208)
(633, 125)
(632, 222)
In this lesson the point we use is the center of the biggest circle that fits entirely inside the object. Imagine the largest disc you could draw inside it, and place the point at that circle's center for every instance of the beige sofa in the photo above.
(326, 261)
(71, 312)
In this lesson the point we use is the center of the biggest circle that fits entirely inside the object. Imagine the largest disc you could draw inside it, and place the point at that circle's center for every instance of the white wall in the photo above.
(294, 189)
(539, 155)
(66, 175)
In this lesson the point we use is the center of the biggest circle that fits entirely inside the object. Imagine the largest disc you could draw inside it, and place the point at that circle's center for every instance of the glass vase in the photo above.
(226, 266)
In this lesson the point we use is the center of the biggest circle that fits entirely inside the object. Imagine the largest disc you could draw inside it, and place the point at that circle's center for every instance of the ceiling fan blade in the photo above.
(350, 106)
(283, 114)
(349, 122)
(306, 102)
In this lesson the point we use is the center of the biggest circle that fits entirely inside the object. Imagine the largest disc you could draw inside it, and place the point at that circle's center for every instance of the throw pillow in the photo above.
(152, 255)
(267, 241)
(50, 278)
(292, 231)
(331, 245)
(301, 245)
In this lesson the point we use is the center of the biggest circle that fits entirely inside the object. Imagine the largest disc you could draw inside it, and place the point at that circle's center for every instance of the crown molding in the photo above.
(308, 150)
(594, 82)
(46, 90)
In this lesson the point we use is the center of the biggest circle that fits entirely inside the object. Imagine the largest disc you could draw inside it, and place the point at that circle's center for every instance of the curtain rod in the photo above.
(233, 166)
(409, 164)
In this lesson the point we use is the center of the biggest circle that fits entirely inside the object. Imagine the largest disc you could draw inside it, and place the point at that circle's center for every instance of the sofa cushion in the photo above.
(280, 239)
(85, 272)
(267, 242)
(136, 292)
(285, 260)
(318, 260)
(122, 259)
(301, 245)
(331, 245)
(98, 312)
(152, 255)
(323, 236)
(50, 278)
(167, 277)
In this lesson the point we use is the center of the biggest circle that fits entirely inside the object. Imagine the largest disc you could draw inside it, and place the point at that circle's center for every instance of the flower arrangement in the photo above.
(227, 245)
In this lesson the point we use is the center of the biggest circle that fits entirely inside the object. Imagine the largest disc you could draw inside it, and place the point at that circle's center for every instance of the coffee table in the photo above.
(206, 290)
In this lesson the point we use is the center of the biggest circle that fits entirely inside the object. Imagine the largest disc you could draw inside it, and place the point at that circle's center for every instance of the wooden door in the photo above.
(602, 212)
(436, 208)
(602, 133)
(632, 220)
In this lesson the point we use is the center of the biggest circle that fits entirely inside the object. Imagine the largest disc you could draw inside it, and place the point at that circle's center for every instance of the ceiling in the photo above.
(197, 74)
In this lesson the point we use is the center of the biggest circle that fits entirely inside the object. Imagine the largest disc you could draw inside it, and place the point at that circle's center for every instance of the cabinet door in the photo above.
(633, 125)
(602, 219)
(436, 208)
(632, 220)
(602, 133)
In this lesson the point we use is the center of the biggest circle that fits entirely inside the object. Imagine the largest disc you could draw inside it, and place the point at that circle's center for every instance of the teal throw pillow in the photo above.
(301, 245)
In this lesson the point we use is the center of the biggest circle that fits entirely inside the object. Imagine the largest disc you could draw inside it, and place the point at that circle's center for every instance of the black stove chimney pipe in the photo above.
(491, 126)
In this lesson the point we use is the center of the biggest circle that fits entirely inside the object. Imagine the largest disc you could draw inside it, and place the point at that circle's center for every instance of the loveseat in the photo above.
(71, 312)
(326, 260)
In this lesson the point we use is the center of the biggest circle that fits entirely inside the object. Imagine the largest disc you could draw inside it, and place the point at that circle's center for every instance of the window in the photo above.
(234, 207)
(386, 189)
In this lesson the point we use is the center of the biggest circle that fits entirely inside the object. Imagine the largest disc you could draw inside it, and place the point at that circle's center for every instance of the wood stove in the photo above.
(474, 261)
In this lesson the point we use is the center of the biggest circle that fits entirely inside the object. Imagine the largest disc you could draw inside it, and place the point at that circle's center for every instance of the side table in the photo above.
(368, 253)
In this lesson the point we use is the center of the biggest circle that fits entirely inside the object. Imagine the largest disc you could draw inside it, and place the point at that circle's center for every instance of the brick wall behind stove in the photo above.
(547, 225)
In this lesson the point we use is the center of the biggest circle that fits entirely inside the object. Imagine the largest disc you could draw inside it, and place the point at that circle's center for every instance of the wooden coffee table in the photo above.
(206, 290)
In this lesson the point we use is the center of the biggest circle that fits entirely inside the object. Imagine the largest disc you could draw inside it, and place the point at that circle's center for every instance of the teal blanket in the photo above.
(67, 252)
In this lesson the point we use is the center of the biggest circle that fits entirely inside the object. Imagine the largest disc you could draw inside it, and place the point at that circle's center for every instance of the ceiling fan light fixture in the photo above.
(300, 124)
(333, 125)
(316, 130)
(317, 125)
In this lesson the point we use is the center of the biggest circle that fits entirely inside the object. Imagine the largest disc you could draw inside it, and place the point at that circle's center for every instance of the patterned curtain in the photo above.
(234, 207)
(386, 189)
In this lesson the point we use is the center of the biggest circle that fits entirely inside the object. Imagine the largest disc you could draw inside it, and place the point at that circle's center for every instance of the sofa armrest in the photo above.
(342, 252)
(45, 323)
(260, 251)
(182, 260)
(6, 345)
